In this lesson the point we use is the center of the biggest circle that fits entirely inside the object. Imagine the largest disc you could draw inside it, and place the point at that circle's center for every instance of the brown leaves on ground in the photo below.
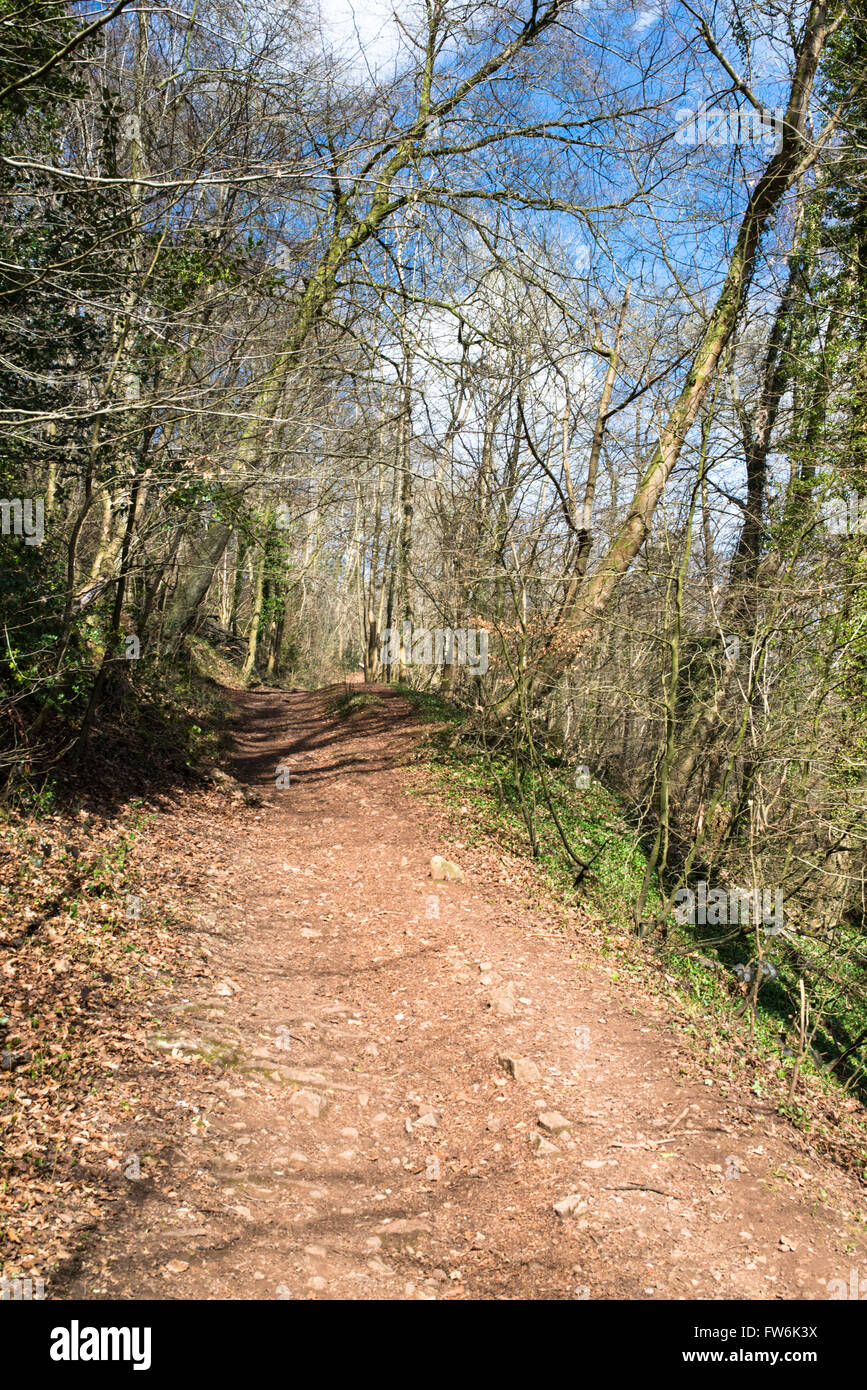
(82, 958)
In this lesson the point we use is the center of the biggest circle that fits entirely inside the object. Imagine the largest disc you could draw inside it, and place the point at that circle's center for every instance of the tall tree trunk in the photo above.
(790, 161)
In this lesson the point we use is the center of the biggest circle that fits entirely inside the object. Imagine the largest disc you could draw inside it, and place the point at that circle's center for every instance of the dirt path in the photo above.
(359, 1137)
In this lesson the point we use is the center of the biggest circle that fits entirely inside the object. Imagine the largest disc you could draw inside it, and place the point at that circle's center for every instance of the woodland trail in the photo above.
(357, 1136)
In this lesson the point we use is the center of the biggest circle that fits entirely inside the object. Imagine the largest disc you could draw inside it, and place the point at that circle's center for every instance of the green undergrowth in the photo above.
(352, 702)
(606, 866)
(829, 961)
(430, 705)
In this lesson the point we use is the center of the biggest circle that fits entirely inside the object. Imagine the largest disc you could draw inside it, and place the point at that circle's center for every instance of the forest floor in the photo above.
(331, 1110)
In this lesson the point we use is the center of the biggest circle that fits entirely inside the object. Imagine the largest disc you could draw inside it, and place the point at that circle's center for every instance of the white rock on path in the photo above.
(573, 1205)
(554, 1123)
(503, 1000)
(542, 1145)
(442, 869)
(521, 1068)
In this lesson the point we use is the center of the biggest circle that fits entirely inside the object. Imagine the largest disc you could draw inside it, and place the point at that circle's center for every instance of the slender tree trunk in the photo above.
(258, 607)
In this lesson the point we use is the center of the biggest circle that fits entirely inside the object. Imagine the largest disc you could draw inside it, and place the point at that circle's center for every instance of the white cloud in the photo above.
(363, 34)
(645, 19)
